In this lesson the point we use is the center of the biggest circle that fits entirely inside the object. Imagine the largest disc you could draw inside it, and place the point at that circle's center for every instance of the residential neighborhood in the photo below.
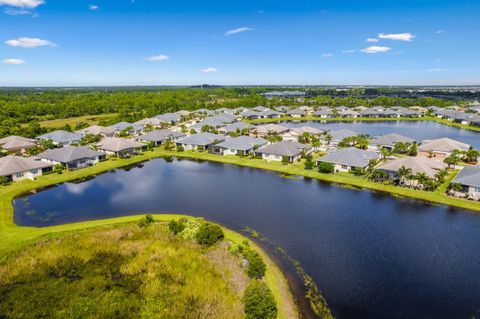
(392, 157)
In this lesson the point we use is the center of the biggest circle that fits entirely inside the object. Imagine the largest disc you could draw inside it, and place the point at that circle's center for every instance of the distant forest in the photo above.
(28, 106)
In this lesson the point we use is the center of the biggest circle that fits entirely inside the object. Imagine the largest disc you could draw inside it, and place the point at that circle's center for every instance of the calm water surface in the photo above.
(373, 256)
(418, 130)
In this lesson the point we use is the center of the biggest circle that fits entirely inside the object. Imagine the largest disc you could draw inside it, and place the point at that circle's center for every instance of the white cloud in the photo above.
(376, 49)
(209, 70)
(93, 7)
(437, 70)
(16, 12)
(348, 51)
(14, 61)
(397, 36)
(237, 30)
(29, 42)
(327, 55)
(22, 3)
(158, 58)
(440, 31)
(372, 40)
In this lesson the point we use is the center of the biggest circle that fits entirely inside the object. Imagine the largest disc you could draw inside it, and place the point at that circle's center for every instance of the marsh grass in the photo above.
(122, 271)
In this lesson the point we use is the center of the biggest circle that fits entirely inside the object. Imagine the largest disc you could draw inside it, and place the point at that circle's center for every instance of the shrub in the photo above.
(259, 301)
(208, 234)
(3, 180)
(180, 148)
(177, 226)
(256, 267)
(326, 168)
(192, 225)
(58, 169)
(146, 221)
(309, 163)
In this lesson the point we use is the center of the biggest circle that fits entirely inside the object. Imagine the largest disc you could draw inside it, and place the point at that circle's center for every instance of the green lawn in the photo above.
(72, 121)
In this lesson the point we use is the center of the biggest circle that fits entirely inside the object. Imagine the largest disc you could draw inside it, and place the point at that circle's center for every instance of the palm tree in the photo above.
(404, 174)
(328, 138)
(385, 152)
(421, 178)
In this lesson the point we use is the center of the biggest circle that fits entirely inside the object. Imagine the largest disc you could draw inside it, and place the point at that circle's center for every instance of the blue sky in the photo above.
(147, 42)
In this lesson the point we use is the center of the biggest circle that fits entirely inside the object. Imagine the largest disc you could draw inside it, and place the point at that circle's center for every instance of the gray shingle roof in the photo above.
(69, 154)
(15, 164)
(61, 137)
(124, 125)
(469, 176)
(418, 164)
(169, 117)
(201, 139)
(285, 148)
(390, 139)
(96, 130)
(271, 128)
(242, 143)
(349, 156)
(159, 135)
(339, 135)
(443, 145)
(237, 126)
(115, 144)
(16, 142)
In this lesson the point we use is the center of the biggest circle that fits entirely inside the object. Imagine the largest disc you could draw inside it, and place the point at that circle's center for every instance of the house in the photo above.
(251, 115)
(169, 118)
(296, 113)
(200, 141)
(72, 157)
(338, 135)
(214, 121)
(424, 165)
(305, 108)
(324, 112)
(296, 132)
(441, 148)
(17, 144)
(17, 168)
(368, 113)
(264, 130)
(153, 121)
(131, 128)
(469, 178)
(234, 127)
(268, 113)
(61, 137)
(241, 145)
(288, 149)
(158, 137)
(346, 159)
(97, 130)
(347, 113)
(389, 140)
(120, 147)
(260, 108)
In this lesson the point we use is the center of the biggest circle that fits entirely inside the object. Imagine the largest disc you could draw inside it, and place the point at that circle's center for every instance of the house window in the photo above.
(18, 175)
(477, 189)
(344, 167)
(34, 171)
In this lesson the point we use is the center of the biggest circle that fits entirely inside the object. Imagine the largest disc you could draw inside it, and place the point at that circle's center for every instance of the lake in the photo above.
(372, 255)
(418, 130)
